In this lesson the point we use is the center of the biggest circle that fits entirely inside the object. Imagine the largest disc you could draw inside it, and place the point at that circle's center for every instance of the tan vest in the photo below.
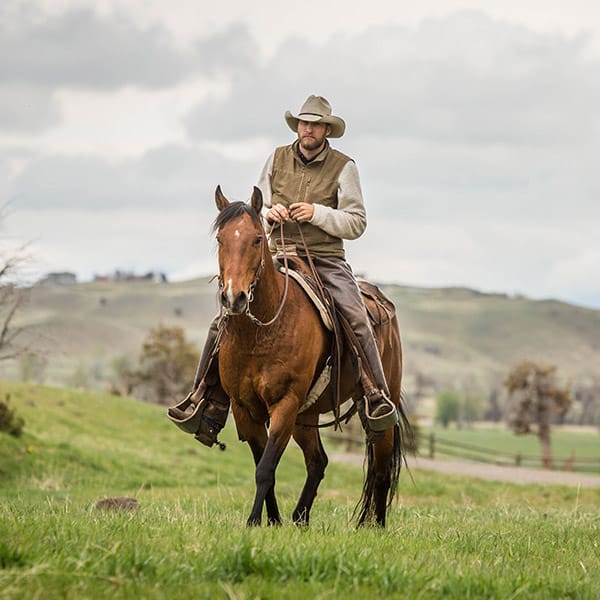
(316, 182)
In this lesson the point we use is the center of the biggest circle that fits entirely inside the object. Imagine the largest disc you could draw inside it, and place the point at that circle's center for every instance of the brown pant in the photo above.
(337, 277)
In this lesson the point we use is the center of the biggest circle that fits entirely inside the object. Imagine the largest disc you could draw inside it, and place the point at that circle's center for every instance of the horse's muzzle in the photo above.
(234, 304)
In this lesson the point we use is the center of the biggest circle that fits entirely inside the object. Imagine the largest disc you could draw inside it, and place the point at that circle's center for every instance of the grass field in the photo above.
(448, 536)
(564, 440)
(580, 447)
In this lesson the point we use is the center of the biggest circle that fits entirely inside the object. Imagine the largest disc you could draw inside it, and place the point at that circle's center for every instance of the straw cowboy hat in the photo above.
(316, 109)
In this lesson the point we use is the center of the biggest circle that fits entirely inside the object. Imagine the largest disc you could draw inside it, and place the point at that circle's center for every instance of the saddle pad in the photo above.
(307, 287)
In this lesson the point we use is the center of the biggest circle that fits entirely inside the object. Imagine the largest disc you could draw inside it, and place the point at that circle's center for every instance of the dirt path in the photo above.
(520, 475)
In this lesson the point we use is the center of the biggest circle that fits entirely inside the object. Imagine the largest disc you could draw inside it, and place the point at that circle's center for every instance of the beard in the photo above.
(311, 143)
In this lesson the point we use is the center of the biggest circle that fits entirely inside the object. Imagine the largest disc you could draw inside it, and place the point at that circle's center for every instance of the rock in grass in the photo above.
(120, 503)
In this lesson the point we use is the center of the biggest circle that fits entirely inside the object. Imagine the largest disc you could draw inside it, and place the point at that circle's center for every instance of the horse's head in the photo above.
(241, 249)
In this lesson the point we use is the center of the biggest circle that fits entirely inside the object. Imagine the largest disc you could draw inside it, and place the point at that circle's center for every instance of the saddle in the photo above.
(380, 310)
(379, 307)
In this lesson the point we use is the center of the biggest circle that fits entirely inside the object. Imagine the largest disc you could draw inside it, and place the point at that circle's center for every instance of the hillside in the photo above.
(451, 336)
(95, 444)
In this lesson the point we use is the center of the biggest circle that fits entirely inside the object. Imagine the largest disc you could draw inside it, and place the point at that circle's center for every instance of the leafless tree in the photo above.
(12, 298)
(586, 395)
(535, 398)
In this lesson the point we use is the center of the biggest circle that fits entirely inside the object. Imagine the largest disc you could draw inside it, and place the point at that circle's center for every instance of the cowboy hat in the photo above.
(316, 109)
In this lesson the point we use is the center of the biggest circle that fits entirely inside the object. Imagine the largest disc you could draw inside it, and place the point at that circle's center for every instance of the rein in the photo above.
(257, 275)
(338, 358)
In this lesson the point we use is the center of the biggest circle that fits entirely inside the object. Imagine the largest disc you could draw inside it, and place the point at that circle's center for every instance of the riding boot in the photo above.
(204, 411)
(380, 410)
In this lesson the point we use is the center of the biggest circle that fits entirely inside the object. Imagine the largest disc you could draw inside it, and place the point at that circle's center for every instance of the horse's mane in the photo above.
(232, 210)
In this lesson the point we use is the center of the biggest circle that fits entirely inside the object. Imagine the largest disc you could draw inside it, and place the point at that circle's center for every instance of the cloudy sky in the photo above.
(475, 126)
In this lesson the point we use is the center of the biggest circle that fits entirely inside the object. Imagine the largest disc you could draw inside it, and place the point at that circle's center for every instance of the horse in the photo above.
(273, 348)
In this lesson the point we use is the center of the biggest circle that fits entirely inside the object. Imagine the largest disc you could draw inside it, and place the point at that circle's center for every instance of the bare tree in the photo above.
(12, 297)
(586, 395)
(535, 398)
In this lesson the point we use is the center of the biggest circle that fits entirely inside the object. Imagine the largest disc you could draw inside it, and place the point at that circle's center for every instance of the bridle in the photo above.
(255, 279)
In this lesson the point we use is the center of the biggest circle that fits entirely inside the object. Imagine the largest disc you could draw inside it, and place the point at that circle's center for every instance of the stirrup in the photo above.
(385, 416)
(186, 421)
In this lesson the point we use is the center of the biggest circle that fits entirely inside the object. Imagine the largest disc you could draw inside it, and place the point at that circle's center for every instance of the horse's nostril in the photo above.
(240, 302)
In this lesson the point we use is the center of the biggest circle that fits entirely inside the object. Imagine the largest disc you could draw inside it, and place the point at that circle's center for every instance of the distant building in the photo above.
(64, 278)
(118, 275)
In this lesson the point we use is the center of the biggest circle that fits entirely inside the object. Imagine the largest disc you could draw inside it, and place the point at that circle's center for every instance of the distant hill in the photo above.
(451, 336)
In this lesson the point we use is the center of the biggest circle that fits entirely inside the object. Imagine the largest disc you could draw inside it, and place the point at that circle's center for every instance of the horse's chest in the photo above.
(241, 369)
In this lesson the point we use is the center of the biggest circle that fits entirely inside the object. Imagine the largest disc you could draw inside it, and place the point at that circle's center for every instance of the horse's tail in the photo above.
(381, 487)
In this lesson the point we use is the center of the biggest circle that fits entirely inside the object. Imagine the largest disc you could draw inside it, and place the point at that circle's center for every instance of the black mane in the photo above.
(232, 210)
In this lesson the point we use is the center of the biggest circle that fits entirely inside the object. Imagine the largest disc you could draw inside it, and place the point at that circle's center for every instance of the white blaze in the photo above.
(229, 293)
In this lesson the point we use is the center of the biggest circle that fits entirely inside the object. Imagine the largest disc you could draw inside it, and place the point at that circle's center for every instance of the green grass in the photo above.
(448, 536)
(565, 443)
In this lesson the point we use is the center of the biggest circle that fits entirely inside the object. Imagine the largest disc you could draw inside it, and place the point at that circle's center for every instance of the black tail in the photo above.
(380, 490)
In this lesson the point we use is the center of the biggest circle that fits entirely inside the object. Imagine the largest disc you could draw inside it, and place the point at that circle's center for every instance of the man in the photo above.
(317, 186)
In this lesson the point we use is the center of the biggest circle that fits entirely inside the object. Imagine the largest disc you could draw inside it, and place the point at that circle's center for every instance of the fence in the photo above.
(432, 446)
(438, 445)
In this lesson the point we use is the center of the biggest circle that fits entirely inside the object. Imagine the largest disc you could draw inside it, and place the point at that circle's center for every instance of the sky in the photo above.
(474, 125)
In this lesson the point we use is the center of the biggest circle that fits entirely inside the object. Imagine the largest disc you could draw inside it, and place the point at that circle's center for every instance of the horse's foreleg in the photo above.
(256, 435)
(307, 436)
(273, 515)
(283, 415)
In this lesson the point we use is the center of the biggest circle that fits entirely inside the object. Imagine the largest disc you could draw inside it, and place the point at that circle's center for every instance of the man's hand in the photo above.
(301, 211)
(277, 214)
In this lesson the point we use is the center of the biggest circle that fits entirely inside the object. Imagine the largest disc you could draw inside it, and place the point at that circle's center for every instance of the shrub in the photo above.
(447, 407)
(167, 365)
(9, 421)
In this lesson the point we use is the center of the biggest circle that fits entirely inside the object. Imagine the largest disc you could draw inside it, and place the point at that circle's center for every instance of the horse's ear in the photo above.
(256, 202)
(220, 199)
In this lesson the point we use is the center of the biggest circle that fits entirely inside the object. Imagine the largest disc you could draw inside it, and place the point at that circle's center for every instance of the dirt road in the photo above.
(519, 475)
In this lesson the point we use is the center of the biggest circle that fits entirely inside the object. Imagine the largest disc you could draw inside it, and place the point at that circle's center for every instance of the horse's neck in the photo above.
(268, 290)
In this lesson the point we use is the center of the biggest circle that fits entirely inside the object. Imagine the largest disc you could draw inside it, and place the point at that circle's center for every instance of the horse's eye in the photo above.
(219, 242)
(258, 240)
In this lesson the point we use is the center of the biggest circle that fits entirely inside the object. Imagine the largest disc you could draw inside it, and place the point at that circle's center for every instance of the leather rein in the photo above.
(257, 275)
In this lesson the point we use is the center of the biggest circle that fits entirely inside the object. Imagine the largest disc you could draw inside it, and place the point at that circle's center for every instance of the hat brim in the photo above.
(337, 125)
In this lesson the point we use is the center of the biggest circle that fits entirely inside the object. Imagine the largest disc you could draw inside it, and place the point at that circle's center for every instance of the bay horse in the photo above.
(273, 348)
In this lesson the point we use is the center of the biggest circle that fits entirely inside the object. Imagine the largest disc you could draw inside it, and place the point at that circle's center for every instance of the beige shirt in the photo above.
(347, 221)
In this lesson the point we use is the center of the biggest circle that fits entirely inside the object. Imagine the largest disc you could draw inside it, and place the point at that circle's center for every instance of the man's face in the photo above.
(312, 135)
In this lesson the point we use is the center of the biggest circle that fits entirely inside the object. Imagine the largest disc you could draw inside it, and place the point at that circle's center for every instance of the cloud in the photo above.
(465, 78)
(126, 239)
(26, 108)
(81, 48)
(476, 141)
(164, 178)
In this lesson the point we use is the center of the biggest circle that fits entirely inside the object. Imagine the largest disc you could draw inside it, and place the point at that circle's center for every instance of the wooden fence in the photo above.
(433, 446)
